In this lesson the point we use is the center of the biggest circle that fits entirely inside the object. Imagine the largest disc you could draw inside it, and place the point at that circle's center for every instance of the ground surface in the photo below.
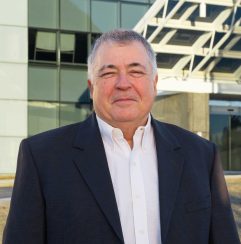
(234, 186)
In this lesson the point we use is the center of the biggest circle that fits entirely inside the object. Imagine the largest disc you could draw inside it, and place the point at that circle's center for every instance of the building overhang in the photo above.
(197, 43)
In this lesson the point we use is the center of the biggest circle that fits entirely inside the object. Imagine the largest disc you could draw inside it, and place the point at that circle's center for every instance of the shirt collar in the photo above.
(110, 134)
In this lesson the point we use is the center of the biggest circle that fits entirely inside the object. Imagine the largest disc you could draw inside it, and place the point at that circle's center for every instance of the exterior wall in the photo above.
(26, 104)
(38, 96)
(13, 80)
(187, 110)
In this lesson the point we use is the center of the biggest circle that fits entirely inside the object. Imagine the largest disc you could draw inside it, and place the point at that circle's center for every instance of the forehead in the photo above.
(132, 51)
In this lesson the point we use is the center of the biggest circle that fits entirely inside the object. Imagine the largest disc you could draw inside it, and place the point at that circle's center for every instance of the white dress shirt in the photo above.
(135, 180)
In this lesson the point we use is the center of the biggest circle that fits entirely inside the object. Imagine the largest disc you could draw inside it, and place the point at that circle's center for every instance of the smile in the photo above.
(124, 101)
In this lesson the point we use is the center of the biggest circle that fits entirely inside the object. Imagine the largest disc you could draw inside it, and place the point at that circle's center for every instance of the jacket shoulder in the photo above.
(57, 138)
(186, 139)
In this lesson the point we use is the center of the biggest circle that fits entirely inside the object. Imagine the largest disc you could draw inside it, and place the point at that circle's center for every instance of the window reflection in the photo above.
(131, 14)
(104, 22)
(225, 131)
(75, 15)
(73, 83)
(43, 83)
(236, 142)
(73, 112)
(43, 13)
(219, 129)
(42, 116)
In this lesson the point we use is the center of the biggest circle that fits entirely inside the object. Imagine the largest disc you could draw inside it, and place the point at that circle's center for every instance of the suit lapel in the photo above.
(170, 164)
(90, 159)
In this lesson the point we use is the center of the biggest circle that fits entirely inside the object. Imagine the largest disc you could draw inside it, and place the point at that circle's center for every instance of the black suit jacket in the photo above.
(63, 191)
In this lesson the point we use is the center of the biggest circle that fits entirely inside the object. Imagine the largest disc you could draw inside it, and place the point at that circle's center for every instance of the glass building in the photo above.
(198, 46)
(60, 36)
(43, 50)
(43, 70)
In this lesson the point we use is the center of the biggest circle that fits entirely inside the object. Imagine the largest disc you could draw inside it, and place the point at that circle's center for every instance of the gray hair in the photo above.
(121, 36)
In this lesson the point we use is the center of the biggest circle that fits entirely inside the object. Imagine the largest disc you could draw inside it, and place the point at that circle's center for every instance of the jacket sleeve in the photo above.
(223, 227)
(26, 220)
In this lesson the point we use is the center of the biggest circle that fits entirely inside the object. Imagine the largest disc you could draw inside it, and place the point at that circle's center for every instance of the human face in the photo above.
(122, 85)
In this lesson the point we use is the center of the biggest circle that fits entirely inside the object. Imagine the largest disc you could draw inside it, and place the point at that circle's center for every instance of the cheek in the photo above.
(102, 91)
(147, 90)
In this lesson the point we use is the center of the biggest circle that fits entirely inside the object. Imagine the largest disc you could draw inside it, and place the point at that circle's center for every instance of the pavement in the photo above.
(5, 192)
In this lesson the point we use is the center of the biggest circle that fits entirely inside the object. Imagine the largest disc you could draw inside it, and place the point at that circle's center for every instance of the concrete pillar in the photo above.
(13, 80)
(187, 110)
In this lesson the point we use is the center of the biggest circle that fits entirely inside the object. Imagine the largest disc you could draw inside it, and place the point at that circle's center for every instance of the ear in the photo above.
(91, 88)
(155, 83)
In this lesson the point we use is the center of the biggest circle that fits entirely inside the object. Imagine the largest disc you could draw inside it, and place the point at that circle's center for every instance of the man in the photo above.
(120, 176)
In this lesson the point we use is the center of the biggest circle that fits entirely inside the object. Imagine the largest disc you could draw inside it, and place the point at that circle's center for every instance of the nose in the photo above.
(123, 82)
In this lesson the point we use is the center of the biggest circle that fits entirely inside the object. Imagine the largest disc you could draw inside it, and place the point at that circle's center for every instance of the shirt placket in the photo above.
(138, 197)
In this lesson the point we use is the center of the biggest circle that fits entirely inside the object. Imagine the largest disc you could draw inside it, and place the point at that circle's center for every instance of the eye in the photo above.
(137, 73)
(107, 75)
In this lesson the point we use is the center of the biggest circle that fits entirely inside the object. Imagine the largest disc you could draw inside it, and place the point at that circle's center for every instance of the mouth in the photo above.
(124, 101)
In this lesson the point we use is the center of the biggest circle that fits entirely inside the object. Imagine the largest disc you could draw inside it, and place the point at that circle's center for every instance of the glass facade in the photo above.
(60, 36)
(131, 13)
(43, 83)
(75, 15)
(61, 33)
(101, 22)
(225, 131)
(43, 53)
(43, 14)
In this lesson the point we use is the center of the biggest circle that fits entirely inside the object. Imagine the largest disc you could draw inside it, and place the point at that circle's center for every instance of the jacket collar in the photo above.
(170, 165)
(91, 162)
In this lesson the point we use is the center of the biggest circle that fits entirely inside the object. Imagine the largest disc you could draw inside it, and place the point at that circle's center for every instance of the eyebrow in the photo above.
(107, 66)
(136, 65)
(111, 66)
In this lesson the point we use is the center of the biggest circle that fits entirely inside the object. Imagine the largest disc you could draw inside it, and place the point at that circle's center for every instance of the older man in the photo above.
(120, 176)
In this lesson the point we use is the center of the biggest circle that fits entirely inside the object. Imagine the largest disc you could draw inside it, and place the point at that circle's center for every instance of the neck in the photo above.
(129, 128)
(128, 134)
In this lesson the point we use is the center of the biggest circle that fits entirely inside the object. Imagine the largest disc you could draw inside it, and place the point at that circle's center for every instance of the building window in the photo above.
(43, 13)
(43, 83)
(225, 132)
(42, 116)
(75, 15)
(61, 35)
(131, 14)
(73, 112)
(42, 45)
(104, 22)
(73, 85)
(74, 48)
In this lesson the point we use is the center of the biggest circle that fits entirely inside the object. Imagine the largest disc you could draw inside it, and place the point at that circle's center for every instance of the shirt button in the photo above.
(141, 232)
